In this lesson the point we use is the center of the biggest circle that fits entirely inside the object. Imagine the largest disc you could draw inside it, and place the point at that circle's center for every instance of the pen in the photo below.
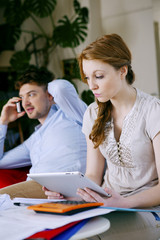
(22, 204)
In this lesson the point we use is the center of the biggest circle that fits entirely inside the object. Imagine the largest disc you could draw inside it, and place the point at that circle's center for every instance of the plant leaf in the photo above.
(9, 37)
(87, 96)
(41, 8)
(84, 14)
(81, 12)
(70, 34)
(3, 3)
(15, 13)
(20, 60)
(77, 6)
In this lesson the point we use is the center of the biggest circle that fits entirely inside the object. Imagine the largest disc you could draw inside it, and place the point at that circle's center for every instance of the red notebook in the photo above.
(50, 233)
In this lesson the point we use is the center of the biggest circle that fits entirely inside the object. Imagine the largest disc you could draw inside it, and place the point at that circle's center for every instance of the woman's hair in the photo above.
(109, 49)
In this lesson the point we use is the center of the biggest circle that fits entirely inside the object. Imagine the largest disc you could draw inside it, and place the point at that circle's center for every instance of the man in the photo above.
(57, 143)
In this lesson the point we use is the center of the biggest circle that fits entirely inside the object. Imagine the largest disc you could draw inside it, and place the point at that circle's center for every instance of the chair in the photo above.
(14, 137)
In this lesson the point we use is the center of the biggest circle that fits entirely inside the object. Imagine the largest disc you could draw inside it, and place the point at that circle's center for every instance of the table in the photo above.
(94, 226)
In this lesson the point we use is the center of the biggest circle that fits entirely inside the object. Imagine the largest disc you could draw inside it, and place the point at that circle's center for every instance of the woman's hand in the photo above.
(52, 195)
(116, 200)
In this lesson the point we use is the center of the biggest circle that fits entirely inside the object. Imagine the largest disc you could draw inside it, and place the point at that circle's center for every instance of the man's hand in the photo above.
(9, 111)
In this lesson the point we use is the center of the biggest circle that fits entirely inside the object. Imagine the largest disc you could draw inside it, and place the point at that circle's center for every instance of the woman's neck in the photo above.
(123, 102)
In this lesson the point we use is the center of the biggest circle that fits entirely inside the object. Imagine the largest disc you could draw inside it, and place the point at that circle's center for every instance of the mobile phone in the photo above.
(19, 107)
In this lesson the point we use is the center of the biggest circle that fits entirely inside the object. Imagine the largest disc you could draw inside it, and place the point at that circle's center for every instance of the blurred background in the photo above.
(51, 33)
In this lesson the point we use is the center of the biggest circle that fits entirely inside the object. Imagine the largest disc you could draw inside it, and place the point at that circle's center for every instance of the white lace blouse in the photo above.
(131, 161)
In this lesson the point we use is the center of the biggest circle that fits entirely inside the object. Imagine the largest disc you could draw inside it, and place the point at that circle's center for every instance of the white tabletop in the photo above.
(94, 226)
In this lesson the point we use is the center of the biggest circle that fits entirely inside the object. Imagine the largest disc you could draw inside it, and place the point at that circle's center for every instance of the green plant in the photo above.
(87, 96)
(17, 11)
(66, 32)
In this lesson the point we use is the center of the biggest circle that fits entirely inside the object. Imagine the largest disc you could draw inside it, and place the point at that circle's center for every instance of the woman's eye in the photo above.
(99, 77)
(86, 78)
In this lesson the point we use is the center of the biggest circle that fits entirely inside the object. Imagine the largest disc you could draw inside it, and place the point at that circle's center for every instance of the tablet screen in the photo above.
(66, 183)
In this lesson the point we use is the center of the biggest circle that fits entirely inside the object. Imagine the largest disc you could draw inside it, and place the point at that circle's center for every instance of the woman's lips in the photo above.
(96, 95)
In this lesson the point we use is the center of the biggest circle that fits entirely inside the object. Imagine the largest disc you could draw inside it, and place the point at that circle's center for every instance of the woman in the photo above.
(123, 127)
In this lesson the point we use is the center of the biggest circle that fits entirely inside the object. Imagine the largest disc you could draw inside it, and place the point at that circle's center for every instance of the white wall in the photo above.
(156, 16)
(133, 20)
(94, 31)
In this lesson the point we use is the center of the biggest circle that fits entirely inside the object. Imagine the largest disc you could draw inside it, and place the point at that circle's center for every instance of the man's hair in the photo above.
(40, 77)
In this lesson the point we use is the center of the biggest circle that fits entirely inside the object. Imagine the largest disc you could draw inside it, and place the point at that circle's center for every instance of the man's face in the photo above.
(36, 101)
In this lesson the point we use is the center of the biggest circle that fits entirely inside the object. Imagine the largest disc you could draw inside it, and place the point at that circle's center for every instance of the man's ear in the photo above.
(51, 98)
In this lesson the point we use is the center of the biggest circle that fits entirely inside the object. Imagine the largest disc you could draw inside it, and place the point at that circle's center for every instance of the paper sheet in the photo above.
(5, 202)
(17, 222)
(33, 201)
(153, 209)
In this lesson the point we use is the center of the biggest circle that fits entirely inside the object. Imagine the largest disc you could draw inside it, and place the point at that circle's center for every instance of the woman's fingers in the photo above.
(91, 196)
(44, 188)
(94, 195)
(51, 194)
(85, 195)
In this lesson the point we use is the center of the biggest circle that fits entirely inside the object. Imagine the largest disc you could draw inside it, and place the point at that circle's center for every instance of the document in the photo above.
(153, 209)
(5, 202)
(22, 222)
(33, 201)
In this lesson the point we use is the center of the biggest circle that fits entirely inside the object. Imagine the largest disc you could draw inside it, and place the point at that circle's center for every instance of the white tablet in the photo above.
(66, 183)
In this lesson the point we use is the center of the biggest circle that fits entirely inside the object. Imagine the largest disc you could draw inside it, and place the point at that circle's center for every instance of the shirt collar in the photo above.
(52, 110)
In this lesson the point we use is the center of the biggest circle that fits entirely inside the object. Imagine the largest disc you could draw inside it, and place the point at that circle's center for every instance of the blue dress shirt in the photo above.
(58, 144)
